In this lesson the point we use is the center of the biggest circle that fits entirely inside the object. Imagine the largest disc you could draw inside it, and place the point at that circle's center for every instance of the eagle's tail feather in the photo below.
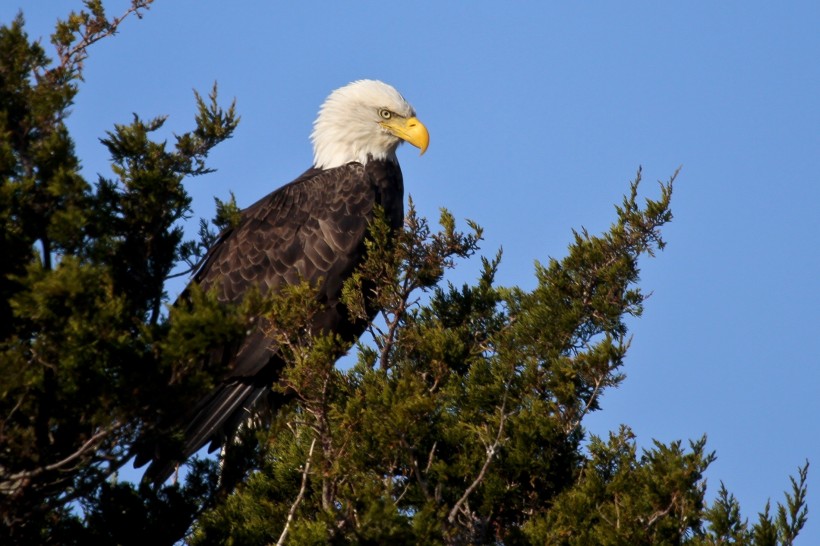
(215, 420)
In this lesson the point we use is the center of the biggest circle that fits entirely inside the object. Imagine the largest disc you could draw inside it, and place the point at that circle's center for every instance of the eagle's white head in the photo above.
(366, 119)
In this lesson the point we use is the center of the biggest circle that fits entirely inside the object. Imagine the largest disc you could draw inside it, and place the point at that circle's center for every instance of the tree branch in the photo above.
(491, 451)
(89, 445)
(93, 28)
(299, 497)
(575, 423)
(661, 513)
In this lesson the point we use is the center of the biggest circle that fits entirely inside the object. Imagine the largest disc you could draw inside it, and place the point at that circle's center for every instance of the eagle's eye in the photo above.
(385, 113)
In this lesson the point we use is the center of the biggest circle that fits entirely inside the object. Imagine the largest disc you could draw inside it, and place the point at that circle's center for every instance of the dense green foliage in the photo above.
(87, 361)
(460, 421)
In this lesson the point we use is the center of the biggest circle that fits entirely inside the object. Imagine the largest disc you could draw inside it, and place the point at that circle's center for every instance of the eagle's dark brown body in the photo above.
(313, 230)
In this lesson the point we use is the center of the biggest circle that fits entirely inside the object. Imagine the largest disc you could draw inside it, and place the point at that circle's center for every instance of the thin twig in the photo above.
(575, 423)
(491, 451)
(430, 458)
(421, 481)
(89, 445)
(398, 499)
(390, 337)
(299, 497)
(96, 30)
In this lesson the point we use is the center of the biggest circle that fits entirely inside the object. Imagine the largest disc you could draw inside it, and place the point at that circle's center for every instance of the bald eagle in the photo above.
(312, 229)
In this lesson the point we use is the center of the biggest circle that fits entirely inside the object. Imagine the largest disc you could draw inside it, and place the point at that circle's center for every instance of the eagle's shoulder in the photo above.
(306, 230)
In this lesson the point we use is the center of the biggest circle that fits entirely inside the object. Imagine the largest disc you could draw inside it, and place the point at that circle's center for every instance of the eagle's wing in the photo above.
(312, 230)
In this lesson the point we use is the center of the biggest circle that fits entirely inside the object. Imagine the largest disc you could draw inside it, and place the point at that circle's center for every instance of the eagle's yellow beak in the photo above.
(410, 130)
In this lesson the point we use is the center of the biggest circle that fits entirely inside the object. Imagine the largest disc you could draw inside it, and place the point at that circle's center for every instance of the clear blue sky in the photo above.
(539, 115)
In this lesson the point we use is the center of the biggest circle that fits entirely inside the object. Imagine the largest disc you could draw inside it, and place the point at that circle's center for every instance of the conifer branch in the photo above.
(91, 28)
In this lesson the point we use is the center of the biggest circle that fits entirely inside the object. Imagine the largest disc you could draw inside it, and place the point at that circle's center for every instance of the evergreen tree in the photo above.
(88, 362)
(461, 421)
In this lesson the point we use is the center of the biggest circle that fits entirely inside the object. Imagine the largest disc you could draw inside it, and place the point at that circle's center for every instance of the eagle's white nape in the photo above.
(347, 128)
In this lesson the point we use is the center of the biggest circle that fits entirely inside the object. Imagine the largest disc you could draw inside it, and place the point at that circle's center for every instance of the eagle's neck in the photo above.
(335, 145)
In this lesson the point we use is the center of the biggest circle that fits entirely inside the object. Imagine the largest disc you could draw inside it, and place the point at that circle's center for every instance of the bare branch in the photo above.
(299, 497)
(661, 513)
(421, 481)
(90, 445)
(390, 337)
(491, 451)
(430, 457)
(576, 422)
(407, 485)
